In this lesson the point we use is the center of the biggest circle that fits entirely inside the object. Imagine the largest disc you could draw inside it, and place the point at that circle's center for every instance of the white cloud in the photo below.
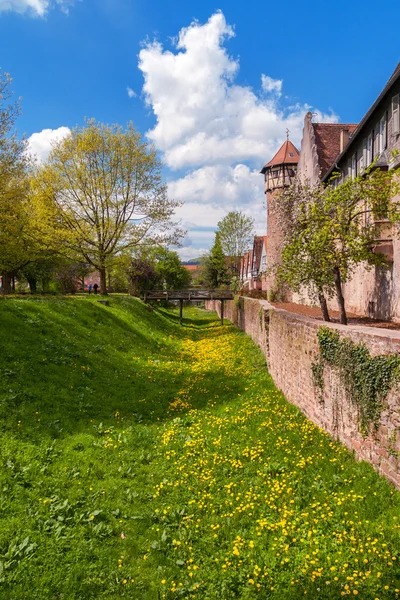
(40, 144)
(131, 93)
(218, 185)
(203, 116)
(210, 192)
(36, 8)
(188, 253)
(271, 85)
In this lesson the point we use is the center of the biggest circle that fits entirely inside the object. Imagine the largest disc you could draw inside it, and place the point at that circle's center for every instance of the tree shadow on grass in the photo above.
(66, 365)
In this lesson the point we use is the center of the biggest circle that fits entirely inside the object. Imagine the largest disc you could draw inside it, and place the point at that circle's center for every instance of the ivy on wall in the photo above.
(366, 380)
(238, 302)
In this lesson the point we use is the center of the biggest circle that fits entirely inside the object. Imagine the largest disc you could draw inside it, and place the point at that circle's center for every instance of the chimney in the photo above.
(344, 138)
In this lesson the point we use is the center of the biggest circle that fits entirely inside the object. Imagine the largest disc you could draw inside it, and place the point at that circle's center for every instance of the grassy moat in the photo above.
(144, 460)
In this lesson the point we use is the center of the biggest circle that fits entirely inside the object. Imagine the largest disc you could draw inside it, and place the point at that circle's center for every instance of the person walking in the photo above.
(90, 287)
(95, 288)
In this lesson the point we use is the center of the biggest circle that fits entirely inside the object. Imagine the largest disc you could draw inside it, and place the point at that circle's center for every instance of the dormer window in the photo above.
(291, 154)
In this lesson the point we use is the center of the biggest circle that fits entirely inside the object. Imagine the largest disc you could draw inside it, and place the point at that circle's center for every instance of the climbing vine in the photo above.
(238, 302)
(366, 380)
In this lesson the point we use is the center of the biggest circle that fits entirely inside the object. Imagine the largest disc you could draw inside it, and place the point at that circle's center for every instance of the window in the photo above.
(363, 157)
(381, 137)
(354, 166)
(369, 150)
(375, 141)
(291, 154)
(275, 174)
(396, 114)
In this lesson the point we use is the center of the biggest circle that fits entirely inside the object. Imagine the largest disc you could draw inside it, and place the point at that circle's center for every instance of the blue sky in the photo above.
(214, 86)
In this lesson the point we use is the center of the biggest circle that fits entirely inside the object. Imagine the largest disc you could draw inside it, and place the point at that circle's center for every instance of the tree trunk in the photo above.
(13, 284)
(103, 281)
(324, 306)
(32, 284)
(6, 284)
(340, 299)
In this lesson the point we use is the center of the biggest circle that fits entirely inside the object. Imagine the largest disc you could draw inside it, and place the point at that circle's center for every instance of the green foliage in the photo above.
(215, 265)
(238, 301)
(235, 284)
(236, 232)
(170, 270)
(139, 457)
(276, 293)
(157, 268)
(366, 380)
(100, 193)
(329, 230)
(17, 247)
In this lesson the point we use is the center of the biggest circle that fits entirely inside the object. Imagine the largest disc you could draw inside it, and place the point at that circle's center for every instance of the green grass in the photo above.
(144, 460)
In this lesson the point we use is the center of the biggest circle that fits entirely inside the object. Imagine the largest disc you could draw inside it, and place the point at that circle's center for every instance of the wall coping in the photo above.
(387, 335)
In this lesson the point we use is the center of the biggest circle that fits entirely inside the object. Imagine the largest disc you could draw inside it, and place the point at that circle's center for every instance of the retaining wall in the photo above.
(290, 345)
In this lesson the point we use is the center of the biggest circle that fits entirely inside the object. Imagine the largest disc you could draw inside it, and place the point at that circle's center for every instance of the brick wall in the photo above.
(290, 345)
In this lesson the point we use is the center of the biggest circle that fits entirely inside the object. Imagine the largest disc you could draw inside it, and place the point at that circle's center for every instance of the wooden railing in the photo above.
(190, 296)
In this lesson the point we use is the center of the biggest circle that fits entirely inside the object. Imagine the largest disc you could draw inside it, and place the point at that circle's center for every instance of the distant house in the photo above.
(191, 268)
(253, 265)
(246, 264)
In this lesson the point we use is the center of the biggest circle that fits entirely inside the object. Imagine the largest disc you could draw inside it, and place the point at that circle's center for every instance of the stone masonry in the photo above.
(290, 345)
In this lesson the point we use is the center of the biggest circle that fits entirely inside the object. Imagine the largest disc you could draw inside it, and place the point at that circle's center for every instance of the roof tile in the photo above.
(327, 140)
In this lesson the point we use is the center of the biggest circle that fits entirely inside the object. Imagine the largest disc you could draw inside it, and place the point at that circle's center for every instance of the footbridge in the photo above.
(190, 296)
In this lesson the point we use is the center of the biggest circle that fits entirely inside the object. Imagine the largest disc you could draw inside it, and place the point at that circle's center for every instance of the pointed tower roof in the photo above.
(286, 155)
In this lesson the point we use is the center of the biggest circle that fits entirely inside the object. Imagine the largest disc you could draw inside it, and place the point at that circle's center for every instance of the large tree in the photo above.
(236, 232)
(101, 192)
(15, 246)
(329, 230)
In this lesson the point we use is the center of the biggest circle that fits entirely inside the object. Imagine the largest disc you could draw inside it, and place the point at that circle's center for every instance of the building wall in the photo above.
(376, 292)
(290, 345)
(274, 239)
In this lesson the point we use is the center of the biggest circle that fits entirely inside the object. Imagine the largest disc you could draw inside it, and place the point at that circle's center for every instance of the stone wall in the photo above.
(290, 345)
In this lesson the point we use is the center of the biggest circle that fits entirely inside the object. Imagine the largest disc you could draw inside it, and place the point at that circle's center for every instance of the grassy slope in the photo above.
(111, 489)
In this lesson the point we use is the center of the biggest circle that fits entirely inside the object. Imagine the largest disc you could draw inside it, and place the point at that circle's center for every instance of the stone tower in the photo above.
(278, 174)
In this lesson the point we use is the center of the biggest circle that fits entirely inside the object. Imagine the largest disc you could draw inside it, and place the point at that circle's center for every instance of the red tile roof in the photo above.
(327, 140)
(287, 154)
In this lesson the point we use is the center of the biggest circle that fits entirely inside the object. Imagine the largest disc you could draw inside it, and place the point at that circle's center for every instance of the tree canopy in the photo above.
(101, 192)
(236, 232)
(157, 267)
(215, 265)
(16, 244)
